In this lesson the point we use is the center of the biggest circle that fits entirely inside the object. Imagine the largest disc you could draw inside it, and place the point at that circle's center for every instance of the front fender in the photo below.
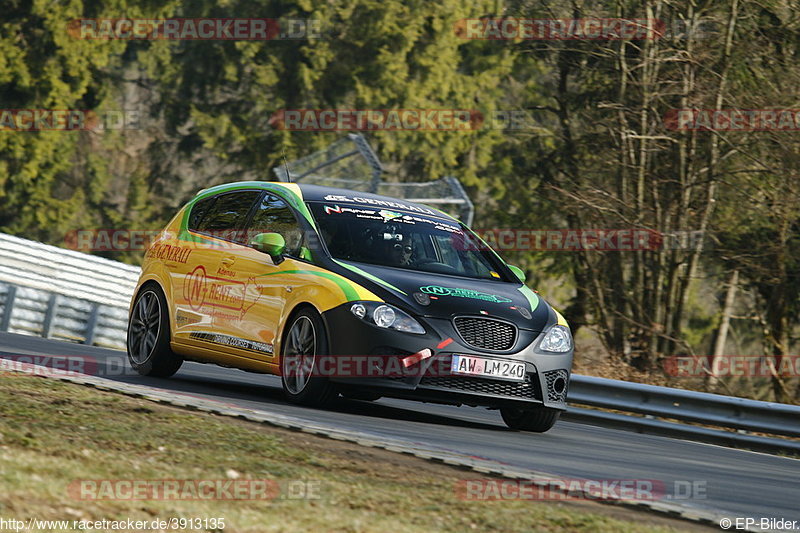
(322, 290)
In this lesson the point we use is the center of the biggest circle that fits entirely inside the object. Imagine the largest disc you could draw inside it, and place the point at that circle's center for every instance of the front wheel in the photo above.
(303, 344)
(148, 335)
(536, 419)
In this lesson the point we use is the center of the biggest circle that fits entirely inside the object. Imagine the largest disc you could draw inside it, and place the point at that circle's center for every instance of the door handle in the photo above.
(227, 261)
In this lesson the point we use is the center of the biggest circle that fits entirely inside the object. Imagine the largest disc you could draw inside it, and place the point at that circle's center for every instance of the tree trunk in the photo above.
(722, 332)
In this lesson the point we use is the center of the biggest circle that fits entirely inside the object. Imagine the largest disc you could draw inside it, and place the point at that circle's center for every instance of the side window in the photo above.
(274, 216)
(227, 215)
(198, 212)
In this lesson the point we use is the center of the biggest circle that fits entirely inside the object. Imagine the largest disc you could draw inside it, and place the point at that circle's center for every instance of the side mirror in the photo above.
(272, 244)
(518, 272)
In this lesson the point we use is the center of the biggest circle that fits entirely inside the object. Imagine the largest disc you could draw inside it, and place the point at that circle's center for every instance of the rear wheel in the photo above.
(304, 342)
(536, 419)
(148, 335)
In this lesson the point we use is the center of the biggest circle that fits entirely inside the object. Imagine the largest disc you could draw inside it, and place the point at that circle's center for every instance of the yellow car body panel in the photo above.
(228, 303)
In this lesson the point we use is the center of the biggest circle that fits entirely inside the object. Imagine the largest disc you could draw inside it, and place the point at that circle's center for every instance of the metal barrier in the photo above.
(51, 315)
(66, 272)
(52, 292)
(686, 405)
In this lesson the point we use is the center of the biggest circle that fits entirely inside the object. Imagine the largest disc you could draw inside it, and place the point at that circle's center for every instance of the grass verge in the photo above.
(53, 434)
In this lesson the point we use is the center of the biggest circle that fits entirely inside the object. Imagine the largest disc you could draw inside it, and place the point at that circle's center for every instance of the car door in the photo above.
(210, 294)
(266, 283)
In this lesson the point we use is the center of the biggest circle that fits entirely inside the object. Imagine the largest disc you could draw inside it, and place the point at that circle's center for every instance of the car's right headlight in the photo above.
(386, 316)
(557, 340)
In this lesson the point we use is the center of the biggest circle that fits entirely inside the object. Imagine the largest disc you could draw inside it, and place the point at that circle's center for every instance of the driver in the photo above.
(399, 251)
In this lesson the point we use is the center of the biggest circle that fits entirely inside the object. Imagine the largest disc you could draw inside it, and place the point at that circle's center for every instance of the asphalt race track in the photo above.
(737, 483)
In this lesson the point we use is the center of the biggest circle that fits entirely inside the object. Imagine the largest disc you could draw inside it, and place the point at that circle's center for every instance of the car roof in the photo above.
(319, 193)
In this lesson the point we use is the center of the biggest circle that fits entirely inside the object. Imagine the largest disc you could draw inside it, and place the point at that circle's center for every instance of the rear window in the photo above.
(199, 210)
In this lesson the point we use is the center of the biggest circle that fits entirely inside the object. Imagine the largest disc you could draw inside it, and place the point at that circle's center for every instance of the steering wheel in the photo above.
(437, 266)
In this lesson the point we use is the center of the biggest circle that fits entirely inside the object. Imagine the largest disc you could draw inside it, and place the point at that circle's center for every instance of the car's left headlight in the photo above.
(386, 316)
(557, 340)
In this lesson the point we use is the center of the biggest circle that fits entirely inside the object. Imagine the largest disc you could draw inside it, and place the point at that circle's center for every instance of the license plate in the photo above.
(468, 365)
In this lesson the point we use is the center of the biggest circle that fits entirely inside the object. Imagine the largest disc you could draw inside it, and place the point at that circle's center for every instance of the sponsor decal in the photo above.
(339, 210)
(379, 203)
(463, 293)
(236, 342)
(185, 319)
(389, 215)
(167, 252)
(201, 290)
(222, 271)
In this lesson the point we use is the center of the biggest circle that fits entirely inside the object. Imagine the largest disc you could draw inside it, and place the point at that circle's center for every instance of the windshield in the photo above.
(398, 239)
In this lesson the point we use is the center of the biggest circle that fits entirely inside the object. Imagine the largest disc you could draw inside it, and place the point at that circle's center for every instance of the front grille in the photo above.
(486, 333)
(551, 377)
(528, 389)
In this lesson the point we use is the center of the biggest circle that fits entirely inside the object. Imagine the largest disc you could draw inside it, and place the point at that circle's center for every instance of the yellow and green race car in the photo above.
(351, 293)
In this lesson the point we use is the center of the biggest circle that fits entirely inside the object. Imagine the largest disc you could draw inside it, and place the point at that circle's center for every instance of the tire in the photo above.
(537, 419)
(148, 335)
(303, 342)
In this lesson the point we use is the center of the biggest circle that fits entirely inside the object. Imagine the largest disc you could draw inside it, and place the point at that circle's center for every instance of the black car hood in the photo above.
(448, 296)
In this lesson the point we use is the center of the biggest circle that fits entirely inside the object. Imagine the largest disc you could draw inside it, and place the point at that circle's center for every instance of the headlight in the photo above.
(557, 340)
(386, 316)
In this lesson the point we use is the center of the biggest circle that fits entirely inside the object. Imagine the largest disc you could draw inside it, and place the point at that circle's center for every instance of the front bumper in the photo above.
(546, 375)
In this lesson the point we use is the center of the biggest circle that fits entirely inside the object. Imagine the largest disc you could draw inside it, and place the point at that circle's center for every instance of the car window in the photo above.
(198, 212)
(411, 241)
(274, 216)
(227, 215)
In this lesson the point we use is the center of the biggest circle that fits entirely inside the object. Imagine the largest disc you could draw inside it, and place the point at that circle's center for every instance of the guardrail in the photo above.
(661, 405)
(52, 292)
(73, 296)
(51, 315)
(686, 405)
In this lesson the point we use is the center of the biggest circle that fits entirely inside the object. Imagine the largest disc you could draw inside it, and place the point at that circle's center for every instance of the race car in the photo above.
(348, 293)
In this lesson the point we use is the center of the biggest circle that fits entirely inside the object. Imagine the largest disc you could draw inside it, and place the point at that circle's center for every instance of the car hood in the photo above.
(448, 296)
